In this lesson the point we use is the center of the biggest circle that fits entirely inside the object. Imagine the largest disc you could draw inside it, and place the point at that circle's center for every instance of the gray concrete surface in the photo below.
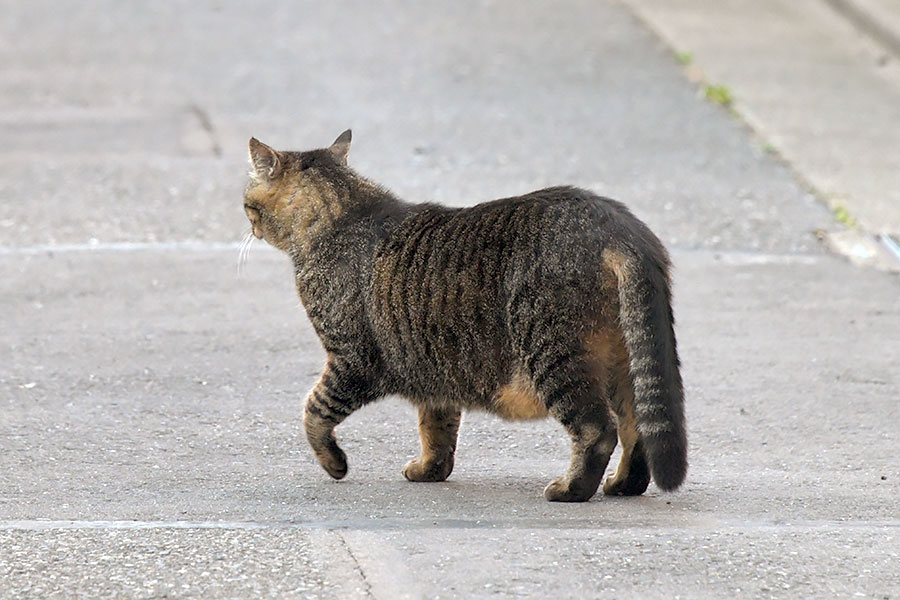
(151, 396)
(823, 92)
(879, 19)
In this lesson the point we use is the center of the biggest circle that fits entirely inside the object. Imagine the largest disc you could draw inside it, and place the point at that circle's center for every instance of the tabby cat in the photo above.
(552, 303)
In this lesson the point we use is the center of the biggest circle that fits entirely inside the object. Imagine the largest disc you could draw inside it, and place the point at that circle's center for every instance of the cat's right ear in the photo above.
(266, 161)
(341, 147)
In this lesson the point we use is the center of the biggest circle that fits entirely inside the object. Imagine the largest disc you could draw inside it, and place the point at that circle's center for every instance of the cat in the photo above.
(556, 303)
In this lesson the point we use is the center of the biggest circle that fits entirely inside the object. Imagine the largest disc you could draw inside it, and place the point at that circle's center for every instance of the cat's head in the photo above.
(288, 192)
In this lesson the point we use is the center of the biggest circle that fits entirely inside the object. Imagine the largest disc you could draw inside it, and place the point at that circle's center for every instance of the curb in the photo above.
(868, 22)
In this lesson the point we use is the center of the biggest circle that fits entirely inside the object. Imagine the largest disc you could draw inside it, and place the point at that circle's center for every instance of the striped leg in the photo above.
(335, 397)
(592, 444)
(437, 430)
(562, 378)
(633, 474)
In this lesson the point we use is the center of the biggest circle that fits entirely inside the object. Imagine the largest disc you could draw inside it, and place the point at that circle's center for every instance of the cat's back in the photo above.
(439, 255)
(564, 210)
(468, 248)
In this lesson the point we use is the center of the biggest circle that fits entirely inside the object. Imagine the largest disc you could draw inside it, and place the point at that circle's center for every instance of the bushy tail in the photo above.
(645, 316)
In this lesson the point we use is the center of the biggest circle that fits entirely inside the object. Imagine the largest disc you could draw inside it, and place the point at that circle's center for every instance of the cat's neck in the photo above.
(364, 215)
(369, 199)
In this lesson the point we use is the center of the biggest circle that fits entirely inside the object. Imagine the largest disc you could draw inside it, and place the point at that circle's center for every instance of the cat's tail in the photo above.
(645, 316)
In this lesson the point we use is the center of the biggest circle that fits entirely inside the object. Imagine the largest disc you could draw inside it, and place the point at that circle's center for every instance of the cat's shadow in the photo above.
(465, 501)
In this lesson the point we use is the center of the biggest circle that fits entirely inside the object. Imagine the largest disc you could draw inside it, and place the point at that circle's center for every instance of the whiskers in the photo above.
(244, 250)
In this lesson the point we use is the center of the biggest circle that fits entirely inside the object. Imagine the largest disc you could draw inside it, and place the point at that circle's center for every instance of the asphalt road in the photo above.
(151, 396)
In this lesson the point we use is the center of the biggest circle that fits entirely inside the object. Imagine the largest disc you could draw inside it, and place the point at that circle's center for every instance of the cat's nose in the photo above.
(257, 231)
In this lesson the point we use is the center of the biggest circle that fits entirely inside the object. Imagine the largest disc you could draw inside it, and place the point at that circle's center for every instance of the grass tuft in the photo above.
(843, 215)
(719, 94)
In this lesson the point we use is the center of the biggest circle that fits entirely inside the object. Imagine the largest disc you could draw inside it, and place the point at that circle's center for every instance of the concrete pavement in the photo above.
(152, 444)
(878, 19)
(819, 87)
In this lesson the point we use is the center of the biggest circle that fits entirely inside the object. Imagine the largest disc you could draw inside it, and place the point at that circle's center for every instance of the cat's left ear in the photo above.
(266, 161)
(341, 147)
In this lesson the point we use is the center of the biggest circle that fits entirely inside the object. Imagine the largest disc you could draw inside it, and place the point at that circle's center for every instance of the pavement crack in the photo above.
(367, 585)
(207, 126)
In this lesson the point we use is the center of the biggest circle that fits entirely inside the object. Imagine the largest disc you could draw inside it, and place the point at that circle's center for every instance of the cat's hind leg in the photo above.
(575, 398)
(633, 474)
(438, 428)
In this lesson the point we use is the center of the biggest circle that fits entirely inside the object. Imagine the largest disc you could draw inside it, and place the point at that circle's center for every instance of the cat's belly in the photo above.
(515, 400)
(458, 366)
(518, 401)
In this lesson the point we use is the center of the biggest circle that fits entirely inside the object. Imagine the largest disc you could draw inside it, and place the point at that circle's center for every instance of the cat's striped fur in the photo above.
(556, 302)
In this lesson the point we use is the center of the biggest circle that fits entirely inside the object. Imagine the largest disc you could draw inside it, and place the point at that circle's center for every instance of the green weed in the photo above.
(843, 215)
(719, 94)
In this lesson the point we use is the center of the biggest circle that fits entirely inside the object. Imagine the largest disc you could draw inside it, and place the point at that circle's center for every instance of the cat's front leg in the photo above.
(334, 398)
(437, 430)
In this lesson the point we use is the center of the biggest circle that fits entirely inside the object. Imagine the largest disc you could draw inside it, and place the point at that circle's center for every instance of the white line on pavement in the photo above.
(41, 525)
(119, 247)
(362, 525)
(730, 257)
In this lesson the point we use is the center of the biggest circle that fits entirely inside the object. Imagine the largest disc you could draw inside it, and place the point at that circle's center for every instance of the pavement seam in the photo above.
(188, 245)
(367, 585)
(341, 528)
(748, 255)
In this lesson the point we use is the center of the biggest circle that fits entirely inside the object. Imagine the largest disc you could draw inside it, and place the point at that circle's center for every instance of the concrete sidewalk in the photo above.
(165, 449)
(879, 19)
(819, 83)
(151, 396)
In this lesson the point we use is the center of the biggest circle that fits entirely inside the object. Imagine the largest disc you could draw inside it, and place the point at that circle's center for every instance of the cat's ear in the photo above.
(341, 147)
(266, 161)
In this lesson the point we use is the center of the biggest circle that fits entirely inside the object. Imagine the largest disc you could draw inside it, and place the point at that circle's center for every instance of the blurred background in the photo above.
(129, 122)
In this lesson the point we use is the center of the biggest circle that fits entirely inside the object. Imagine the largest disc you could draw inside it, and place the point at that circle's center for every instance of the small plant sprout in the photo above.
(684, 58)
(843, 215)
(719, 94)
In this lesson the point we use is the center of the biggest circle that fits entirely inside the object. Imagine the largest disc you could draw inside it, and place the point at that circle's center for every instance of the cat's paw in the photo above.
(419, 470)
(628, 486)
(333, 460)
(563, 490)
(633, 482)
